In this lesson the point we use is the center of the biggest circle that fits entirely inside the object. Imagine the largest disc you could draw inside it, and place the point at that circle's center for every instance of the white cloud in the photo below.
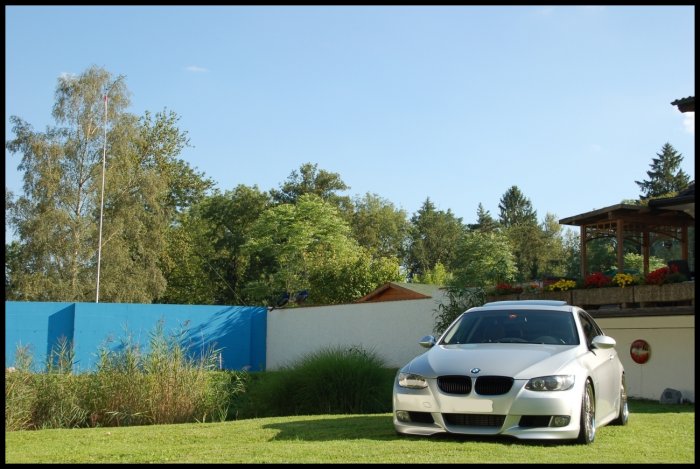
(689, 122)
(196, 69)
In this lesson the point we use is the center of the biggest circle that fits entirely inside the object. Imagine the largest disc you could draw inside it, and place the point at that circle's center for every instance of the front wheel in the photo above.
(586, 433)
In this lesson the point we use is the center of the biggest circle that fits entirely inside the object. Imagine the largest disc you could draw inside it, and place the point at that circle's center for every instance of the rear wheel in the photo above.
(624, 411)
(586, 433)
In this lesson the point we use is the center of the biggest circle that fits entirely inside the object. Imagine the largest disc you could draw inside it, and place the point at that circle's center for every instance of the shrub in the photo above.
(460, 300)
(333, 380)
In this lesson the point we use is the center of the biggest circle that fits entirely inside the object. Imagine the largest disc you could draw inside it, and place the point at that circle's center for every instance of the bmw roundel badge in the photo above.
(475, 370)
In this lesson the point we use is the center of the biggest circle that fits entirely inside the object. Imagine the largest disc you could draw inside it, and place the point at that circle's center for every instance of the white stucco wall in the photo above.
(672, 360)
(391, 329)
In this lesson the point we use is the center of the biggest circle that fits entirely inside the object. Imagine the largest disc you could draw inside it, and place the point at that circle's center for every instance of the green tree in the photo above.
(483, 259)
(635, 261)
(206, 264)
(298, 237)
(379, 226)
(438, 275)
(57, 216)
(552, 257)
(666, 178)
(311, 180)
(344, 280)
(484, 221)
(519, 222)
(571, 243)
(432, 238)
(601, 254)
(516, 209)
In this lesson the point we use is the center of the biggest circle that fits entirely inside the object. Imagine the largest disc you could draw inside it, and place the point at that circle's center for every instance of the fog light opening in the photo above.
(403, 416)
(560, 420)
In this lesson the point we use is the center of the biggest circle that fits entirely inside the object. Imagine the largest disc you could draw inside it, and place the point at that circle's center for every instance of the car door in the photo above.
(602, 367)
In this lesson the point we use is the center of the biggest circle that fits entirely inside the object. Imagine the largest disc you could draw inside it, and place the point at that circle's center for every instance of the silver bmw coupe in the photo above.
(528, 369)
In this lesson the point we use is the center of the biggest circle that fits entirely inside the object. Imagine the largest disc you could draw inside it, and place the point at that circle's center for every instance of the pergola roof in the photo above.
(632, 223)
(631, 214)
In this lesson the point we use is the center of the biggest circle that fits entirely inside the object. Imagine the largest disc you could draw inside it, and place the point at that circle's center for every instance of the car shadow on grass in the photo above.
(373, 427)
(380, 427)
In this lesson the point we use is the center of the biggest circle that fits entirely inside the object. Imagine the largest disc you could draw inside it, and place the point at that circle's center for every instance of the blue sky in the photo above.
(455, 103)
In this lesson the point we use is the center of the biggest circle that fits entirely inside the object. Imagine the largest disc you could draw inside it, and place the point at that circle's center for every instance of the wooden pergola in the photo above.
(631, 223)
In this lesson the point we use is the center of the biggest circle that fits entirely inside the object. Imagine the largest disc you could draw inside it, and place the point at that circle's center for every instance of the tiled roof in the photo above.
(394, 291)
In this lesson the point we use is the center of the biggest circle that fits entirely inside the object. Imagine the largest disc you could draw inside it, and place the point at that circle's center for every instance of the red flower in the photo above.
(596, 280)
(658, 276)
(505, 288)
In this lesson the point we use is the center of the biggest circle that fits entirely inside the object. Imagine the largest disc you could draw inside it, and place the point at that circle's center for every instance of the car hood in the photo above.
(520, 361)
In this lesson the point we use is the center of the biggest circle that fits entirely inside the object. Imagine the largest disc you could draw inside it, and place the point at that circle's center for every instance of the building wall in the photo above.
(391, 329)
(237, 331)
(671, 363)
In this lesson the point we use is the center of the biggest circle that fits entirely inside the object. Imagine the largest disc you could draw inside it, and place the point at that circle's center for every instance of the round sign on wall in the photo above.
(640, 351)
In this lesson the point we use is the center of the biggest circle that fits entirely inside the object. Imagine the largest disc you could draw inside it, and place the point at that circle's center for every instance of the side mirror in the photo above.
(603, 342)
(427, 341)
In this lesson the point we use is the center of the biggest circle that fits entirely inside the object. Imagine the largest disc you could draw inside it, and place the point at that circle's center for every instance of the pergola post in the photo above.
(584, 256)
(684, 243)
(620, 245)
(645, 250)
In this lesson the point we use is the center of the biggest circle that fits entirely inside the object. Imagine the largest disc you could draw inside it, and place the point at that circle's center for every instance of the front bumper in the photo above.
(520, 413)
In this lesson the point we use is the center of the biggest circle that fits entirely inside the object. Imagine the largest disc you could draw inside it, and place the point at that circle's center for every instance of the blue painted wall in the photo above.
(238, 332)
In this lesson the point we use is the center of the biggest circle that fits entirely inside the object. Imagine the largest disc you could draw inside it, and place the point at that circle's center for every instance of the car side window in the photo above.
(590, 328)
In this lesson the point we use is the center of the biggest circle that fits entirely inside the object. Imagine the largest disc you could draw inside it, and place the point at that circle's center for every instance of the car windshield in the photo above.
(521, 326)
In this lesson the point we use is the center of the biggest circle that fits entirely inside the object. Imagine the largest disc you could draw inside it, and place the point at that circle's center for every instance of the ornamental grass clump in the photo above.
(130, 387)
(332, 380)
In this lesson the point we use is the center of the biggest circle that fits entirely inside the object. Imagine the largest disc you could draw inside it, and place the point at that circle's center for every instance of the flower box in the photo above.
(603, 296)
(548, 295)
(669, 292)
(624, 297)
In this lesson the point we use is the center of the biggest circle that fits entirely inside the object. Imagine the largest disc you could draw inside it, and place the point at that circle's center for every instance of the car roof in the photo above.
(529, 304)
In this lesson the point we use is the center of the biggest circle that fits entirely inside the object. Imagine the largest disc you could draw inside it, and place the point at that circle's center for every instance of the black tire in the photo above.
(624, 412)
(586, 434)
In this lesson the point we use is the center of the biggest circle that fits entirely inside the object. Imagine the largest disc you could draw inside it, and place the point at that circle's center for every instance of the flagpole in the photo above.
(102, 198)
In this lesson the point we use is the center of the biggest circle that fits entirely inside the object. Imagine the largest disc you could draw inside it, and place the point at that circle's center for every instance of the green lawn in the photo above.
(655, 434)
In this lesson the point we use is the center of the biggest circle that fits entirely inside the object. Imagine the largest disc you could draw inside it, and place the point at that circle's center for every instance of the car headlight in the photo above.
(410, 380)
(551, 383)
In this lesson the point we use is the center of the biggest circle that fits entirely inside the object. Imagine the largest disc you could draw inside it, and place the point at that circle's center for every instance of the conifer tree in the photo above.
(665, 177)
